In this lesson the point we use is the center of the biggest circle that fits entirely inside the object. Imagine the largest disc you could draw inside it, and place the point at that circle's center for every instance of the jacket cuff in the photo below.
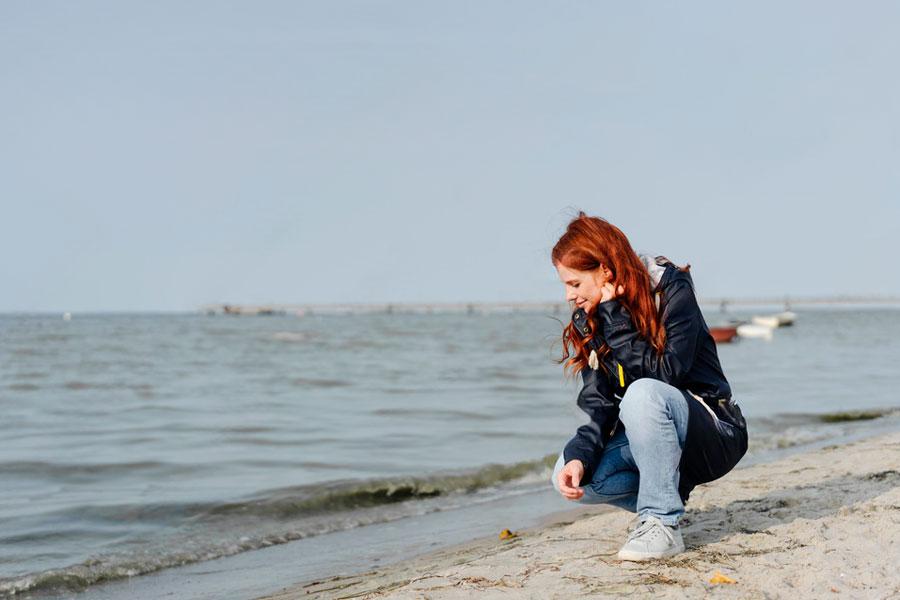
(587, 456)
(613, 317)
(573, 452)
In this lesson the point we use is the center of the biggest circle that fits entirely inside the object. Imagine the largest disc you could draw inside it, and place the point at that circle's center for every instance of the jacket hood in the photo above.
(655, 269)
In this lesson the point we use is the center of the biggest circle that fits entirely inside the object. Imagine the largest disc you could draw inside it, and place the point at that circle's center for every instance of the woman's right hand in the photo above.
(568, 479)
(610, 291)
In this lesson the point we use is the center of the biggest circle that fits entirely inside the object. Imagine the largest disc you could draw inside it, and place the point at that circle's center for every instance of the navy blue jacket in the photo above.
(690, 363)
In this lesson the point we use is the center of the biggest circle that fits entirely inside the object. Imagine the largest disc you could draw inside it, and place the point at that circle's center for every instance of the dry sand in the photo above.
(825, 524)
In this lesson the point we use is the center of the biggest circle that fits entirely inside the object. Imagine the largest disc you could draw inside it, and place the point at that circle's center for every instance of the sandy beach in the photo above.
(816, 525)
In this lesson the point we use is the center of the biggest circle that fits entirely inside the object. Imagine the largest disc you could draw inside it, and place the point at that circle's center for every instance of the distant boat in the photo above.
(770, 321)
(723, 335)
(782, 319)
(786, 318)
(755, 330)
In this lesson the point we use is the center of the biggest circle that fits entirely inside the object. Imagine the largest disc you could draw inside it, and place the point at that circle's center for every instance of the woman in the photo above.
(661, 415)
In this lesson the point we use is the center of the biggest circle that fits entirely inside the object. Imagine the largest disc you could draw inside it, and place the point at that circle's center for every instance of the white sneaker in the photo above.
(652, 539)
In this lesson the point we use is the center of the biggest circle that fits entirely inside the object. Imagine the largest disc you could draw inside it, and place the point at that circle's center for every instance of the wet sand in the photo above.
(816, 525)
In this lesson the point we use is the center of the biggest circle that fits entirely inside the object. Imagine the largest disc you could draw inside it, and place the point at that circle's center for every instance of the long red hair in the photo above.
(588, 243)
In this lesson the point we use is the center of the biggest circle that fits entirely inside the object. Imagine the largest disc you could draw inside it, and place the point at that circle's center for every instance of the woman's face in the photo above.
(582, 287)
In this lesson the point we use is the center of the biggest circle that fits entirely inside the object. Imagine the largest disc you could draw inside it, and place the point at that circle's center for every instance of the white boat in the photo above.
(782, 319)
(755, 330)
(770, 321)
(786, 318)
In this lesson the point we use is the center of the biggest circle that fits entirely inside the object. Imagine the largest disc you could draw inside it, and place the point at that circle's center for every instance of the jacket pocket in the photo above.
(713, 445)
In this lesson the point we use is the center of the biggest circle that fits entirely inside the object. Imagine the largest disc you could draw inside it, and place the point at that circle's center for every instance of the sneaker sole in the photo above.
(641, 556)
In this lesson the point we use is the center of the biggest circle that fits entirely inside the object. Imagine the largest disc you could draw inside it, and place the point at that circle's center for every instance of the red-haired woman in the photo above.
(662, 419)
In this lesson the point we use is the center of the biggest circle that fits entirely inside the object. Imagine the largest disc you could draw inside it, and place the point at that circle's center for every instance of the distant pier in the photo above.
(552, 308)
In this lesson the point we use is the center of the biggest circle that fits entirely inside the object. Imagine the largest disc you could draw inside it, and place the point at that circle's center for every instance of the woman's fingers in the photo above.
(575, 494)
(564, 479)
(575, 479)
(606, 292)
(568, 484)
(609, 290)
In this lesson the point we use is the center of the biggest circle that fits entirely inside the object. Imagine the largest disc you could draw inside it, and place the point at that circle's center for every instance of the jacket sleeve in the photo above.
(597, 401)
(682, 320)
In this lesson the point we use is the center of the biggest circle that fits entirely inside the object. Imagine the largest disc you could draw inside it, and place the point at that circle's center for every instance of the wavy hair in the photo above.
(588, 244)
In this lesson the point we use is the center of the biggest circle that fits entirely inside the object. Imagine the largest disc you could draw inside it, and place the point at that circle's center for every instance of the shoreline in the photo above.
(346, 553)
(810, 524)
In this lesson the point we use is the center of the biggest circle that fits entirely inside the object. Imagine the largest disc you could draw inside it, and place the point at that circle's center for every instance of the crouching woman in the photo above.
(662, 419)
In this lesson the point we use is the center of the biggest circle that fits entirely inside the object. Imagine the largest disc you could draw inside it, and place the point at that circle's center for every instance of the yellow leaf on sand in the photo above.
(507, 534)
(719, 578)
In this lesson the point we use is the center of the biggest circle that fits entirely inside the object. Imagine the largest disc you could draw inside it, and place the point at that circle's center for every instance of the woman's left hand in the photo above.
(610, 291)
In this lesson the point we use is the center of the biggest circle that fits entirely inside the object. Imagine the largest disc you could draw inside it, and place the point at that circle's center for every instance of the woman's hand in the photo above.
(609, 290)
(568, 479)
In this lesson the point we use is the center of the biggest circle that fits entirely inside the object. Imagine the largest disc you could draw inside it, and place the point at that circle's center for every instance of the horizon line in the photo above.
(302, 309)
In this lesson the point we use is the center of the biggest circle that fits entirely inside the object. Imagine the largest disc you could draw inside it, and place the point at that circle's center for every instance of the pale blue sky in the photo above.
(160, 155)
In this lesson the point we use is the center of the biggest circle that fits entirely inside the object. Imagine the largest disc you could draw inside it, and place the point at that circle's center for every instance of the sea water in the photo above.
(134, 444)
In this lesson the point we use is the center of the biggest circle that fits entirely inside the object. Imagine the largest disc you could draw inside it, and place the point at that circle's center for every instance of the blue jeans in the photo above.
(638, 470)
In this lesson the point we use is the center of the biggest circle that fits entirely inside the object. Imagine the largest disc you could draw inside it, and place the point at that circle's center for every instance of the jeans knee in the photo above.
(642, 398)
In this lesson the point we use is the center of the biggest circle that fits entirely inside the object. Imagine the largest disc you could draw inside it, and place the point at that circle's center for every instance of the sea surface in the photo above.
(134, 444)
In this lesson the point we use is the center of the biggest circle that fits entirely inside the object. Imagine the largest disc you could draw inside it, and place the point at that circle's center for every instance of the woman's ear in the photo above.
(607, 274)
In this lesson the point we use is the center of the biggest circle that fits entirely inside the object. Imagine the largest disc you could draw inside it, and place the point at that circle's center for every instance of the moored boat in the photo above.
(723, 335)
(782, 319)
(786, 318)
(755, 330)
(770, 321)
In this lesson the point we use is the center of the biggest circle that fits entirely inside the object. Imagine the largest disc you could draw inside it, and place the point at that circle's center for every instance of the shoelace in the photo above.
(650, 525)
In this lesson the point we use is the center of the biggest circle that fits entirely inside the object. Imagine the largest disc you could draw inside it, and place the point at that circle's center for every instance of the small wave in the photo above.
(82, 385)
(785, 420)
(291, 336)
(786, 439)
(58, 471)
(430, 413)
(298, 501)
(319, 382)
(252, 441)
(53, 535)
(139, 388)
(31, 375)
(795, 429)
(54, 337)
(857, 415)
(23, 387)
(514, 389)
(550, 438)
(503, 374)
(389, 332)
(25, 351)
(341, 495)
(248, 429)
(399, 390)
(77, 578)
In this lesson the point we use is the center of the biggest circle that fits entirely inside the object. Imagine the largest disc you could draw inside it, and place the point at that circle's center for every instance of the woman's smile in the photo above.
(583, 288)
